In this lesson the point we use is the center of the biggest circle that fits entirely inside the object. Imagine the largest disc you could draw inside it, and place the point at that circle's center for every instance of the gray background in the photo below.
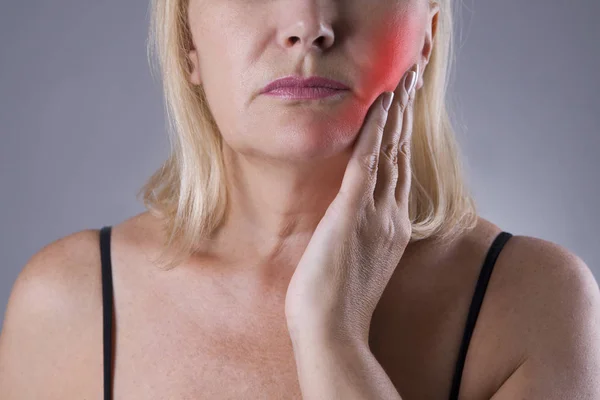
(82, 124)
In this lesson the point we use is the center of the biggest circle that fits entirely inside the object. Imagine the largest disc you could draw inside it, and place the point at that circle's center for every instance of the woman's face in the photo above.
(242, 45)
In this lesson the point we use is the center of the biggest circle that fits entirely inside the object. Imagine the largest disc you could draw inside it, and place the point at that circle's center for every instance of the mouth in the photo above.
(299, 88)
(300, 82)
(305, 93)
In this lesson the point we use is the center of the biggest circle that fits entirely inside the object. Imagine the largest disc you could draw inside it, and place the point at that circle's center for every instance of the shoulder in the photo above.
(544, 276)
(546, 304)
(63, 279)
(556, 289)
(531, 271)
(53, 317)
(538, 332)
(60, 269)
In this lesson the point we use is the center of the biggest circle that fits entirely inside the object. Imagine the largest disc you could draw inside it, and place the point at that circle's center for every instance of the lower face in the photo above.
(240, 52)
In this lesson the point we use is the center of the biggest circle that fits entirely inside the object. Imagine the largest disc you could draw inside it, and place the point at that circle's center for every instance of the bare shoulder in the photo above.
(555, 289)
(52, 320)
(51, 340)
(532, 272)
(543, 309)
(542, 278)
(62, 268)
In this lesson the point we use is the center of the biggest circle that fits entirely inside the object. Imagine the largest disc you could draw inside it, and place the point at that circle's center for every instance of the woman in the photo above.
(303, 243)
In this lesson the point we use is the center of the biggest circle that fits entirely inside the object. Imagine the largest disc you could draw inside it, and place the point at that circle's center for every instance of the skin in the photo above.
(275, 148)
(214, 327)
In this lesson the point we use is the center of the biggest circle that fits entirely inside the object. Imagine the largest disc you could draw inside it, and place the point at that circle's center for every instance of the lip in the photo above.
(305, 93)
(298, 82)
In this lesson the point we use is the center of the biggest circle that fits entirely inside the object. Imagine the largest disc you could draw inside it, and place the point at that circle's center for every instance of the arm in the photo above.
(564, 358)
(332, 369)
(561, 329)
(47, 337)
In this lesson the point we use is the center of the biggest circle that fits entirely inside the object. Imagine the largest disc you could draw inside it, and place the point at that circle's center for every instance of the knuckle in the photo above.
(405, 149)
(406, 229)
(389, 228)
(369, 163)
(402, 105)
(390, 151)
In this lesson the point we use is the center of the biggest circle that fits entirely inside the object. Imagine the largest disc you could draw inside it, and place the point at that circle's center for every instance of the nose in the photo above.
(308, 32)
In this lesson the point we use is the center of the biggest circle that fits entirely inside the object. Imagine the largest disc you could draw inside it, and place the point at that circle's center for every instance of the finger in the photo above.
(361, 173)
(387, 171)
(403, 185)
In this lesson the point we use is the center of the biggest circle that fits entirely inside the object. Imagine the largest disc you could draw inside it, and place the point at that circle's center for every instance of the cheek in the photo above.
(395, 48)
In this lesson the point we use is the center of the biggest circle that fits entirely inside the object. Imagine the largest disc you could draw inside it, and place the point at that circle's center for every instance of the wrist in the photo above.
(325, 336)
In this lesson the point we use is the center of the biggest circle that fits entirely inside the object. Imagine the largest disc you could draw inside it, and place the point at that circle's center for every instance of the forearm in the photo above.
(328, 369)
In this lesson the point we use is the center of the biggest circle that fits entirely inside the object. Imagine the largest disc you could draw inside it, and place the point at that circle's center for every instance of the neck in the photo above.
(274, 206)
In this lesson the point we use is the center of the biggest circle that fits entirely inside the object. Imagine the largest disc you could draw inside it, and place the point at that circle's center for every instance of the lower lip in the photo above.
(304, 93)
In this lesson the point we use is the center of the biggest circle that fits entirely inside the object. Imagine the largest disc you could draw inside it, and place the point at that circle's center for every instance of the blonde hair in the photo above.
(189, 194)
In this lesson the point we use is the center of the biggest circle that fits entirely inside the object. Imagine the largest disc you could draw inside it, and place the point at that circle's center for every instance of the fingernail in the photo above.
(387, 100)
(411, 80)
(414, 89)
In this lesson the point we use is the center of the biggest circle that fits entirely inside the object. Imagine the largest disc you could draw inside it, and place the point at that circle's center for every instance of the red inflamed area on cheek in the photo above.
(395, 52)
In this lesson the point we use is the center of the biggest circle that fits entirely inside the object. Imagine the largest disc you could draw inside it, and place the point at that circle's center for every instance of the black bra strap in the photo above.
(482, 283)
(107, 308)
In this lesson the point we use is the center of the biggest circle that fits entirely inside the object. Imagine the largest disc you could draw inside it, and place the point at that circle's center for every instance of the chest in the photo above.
(219, 353)
(204, 338)
(206, 360)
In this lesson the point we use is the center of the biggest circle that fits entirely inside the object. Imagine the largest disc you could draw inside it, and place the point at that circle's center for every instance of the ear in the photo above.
(434, 11)
(194, 67)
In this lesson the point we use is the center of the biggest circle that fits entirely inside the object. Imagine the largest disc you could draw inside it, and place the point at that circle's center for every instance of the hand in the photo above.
(358, 243)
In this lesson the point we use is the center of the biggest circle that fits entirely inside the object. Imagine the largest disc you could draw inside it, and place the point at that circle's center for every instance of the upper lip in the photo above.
(299, 81)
